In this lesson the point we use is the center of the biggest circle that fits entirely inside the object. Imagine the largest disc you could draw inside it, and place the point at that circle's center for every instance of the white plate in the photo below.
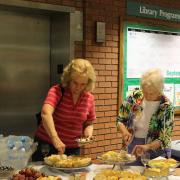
(84, 141)
(132, 159)
(68, 169)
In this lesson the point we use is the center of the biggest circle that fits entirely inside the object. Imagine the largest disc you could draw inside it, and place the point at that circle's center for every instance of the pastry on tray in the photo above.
(51, 160)
(169, 163)
(49, 178)
(63, 161)
(116, 175)
(156, 172)
(78, 176)
(121, 156)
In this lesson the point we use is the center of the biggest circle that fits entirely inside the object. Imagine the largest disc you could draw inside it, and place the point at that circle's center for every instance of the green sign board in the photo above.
(148, 47)
(150, 11)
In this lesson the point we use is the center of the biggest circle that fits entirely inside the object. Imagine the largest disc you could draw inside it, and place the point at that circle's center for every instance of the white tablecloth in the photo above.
(92, 170)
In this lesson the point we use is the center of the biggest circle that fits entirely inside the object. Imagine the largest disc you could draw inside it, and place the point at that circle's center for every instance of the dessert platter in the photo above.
(156, 172)
(117, 174)
(160, 168)
(83, 140)
(163, 162)
(67, 163)
(113, 157)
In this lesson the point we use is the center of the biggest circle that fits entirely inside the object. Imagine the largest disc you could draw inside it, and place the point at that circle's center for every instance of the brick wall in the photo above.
(105, 59)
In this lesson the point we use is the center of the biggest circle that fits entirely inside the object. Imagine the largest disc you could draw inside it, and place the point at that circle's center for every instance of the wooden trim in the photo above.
(144, 22)
(177, 111)
(121, 63)
(35, 6)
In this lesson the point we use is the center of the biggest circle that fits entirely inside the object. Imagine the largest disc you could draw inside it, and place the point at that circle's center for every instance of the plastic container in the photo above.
(16, 151)
(18, 159)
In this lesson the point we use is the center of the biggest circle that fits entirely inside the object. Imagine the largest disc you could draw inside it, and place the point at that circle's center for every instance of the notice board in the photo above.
(149, 47)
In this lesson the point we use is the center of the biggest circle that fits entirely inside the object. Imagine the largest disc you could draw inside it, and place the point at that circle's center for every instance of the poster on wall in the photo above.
(169, 92)
(177, 95)
(131, 88)
(153, 49)
(147, 47)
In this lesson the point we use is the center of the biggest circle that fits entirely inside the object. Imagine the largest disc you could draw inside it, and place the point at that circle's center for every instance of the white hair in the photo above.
(153, 78)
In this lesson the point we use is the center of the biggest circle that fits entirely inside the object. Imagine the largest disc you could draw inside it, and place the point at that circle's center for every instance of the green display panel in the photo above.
(148, 47)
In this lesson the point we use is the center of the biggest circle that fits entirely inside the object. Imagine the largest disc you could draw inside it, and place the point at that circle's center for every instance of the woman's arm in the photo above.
(126, 135)
(154, 145)
(48, 123)
(47, 120)
(139, 150)
(123, 121)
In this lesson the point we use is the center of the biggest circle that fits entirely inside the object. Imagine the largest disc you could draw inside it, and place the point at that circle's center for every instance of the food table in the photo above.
(88, 172)
(92, 170)
(82, 168)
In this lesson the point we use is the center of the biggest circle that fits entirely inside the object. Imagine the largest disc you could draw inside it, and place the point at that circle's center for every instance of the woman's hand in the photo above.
(139, 150)
(48, 123)
(88, 131)
(58, 144)
(126, 137)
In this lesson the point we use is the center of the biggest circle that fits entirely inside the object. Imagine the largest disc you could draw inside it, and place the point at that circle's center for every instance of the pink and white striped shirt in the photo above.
(68, 117)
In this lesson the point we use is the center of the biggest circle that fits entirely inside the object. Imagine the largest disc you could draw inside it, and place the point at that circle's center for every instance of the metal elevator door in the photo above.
(24, 69)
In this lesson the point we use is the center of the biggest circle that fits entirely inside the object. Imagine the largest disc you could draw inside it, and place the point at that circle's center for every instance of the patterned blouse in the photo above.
(161, 122)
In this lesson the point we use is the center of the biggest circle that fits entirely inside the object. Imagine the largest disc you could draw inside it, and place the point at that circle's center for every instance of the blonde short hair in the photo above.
(81, 67)
(153, 78)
